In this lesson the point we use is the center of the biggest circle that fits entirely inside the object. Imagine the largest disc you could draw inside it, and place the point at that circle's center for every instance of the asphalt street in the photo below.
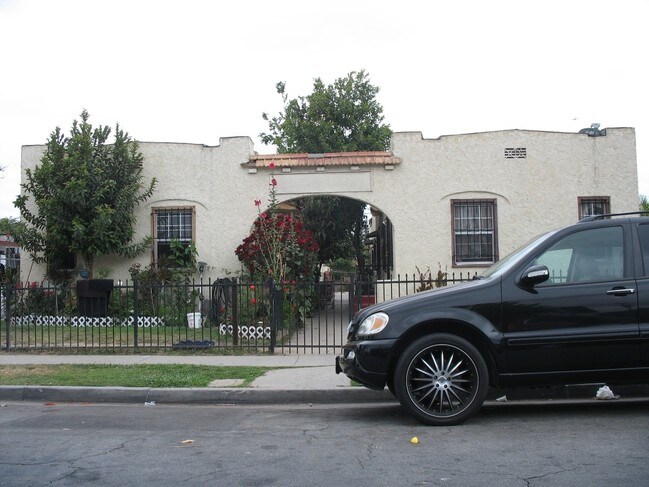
(506, 444)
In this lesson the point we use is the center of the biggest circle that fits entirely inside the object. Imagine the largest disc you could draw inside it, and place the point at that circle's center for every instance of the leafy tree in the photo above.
(327, 218)
(341, 117)
(644, 204)
(9, 226)
(279, 246)
(338, 225)
(85, 190)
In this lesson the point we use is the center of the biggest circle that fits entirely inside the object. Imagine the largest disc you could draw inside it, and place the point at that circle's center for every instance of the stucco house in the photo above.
(458, 201)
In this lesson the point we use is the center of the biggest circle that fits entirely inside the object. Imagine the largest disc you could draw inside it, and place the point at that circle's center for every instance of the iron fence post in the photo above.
(7, 298)
(271, 320)
(234, 289)
(276, 312)
(279, 310)
(352, 297)
(135, 314)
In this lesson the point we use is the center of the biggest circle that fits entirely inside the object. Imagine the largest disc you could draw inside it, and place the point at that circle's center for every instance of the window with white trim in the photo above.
(171, 224)
(474, 232)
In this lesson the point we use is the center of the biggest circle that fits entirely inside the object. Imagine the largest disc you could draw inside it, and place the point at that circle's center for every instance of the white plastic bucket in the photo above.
(194, 320)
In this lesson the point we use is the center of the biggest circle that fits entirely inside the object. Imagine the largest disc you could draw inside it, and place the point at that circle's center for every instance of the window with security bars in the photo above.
(474, 232)
(594, 205)
(11, 258)
(171, 224)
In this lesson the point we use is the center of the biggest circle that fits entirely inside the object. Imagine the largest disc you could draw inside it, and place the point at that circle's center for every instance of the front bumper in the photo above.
(366, 362)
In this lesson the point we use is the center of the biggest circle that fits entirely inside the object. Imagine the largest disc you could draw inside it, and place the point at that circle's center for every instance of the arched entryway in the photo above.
(348, 229)
(354, 253)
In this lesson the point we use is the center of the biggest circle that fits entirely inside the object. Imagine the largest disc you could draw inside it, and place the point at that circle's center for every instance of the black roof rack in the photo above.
(608, 215)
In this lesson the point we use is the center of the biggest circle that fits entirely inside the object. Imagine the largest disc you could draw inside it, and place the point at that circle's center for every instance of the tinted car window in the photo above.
(512, 259)
(585, 256)
(644, 243)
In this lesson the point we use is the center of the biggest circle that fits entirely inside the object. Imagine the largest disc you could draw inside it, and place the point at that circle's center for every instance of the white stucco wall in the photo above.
(533, 194)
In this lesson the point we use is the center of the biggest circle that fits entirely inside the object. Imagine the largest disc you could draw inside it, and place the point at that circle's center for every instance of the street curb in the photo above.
(252, 396)
(192, 395)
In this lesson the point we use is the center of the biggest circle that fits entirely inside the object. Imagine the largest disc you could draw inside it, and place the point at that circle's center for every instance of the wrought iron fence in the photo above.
(226, 315)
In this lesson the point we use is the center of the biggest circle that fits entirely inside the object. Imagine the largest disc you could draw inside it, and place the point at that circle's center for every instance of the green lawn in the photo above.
(146, 375)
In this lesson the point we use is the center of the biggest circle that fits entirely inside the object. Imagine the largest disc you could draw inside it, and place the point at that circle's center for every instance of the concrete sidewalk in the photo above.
(298, 379)
(294, 371)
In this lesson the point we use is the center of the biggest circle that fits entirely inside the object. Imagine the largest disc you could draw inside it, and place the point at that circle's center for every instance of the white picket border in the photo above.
(86, 321)
(251, 332)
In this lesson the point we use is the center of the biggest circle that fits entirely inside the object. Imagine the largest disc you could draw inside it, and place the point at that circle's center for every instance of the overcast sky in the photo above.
(194, 71)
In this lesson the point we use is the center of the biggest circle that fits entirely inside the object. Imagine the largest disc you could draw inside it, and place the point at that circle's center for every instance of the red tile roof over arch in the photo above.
(326, 159)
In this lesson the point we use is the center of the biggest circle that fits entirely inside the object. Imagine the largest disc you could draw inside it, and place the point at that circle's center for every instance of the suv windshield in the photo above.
(506, 263)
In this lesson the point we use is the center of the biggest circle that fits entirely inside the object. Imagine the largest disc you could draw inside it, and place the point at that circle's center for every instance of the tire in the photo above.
(441, 379)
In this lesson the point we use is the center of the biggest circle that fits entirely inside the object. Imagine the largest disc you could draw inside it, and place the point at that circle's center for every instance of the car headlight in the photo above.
(373, 324)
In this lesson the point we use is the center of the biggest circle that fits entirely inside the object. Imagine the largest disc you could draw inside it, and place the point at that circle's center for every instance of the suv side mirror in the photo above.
(534, 275)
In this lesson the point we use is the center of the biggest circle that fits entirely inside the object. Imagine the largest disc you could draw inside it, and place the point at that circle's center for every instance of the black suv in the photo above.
(571, 306)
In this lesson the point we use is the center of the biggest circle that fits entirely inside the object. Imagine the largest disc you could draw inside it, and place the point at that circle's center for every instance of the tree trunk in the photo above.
(90, 264)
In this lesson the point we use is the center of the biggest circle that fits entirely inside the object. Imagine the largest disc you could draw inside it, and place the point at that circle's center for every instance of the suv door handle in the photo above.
(621, 291)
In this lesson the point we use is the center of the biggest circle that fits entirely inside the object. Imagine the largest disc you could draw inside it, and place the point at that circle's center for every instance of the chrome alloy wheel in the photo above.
(442, 380)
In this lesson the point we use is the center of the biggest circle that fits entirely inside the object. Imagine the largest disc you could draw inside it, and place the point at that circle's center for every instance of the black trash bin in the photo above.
(93, 296)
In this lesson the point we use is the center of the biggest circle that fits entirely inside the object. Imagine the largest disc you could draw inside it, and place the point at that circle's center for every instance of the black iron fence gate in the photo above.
(226, 315)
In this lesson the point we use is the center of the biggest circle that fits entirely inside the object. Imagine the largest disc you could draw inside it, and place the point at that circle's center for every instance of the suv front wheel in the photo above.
(441, 379)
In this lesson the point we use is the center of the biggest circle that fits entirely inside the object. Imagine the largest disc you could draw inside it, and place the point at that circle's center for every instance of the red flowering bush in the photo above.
(279, 246)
